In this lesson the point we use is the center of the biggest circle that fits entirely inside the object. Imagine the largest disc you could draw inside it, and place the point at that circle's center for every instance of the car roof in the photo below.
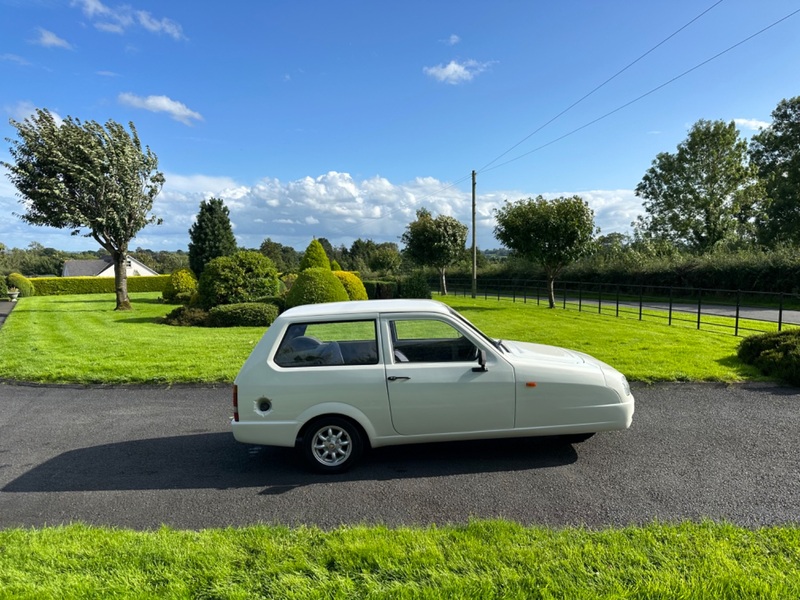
(360, 307)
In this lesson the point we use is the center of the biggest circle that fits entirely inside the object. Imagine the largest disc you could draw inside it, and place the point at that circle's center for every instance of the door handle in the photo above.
(396, 378)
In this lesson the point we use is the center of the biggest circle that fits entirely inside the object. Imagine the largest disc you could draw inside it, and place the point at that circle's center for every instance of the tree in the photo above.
(285, 258)
(211, 235)
(435, 242)
(83, 175)
(776, 153)
(704, 193)
(551, 233)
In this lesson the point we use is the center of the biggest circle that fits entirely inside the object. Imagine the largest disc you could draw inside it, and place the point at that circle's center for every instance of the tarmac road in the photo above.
(140, 457)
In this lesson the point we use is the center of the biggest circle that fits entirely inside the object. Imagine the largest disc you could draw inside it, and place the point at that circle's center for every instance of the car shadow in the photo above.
(215, 460)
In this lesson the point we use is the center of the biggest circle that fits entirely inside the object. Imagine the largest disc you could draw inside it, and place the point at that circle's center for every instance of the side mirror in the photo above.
(481, 362)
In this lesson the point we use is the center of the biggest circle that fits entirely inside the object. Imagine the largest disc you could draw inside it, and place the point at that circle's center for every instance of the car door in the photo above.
(434, 381)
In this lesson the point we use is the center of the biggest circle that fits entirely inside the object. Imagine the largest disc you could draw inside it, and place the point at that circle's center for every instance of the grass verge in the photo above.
(485, 559)
(81, 339)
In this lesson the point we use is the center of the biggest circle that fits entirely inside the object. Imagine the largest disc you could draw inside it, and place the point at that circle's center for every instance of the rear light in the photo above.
(236, 403)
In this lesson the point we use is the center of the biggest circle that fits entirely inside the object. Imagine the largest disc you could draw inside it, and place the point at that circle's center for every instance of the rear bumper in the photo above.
(266, 434)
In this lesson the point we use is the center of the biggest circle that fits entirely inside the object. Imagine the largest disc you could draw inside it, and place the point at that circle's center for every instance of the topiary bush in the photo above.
(288, 279)
(352, 285)
(246, 314)
(316, 286)
(22, 283)
(774, 354)
(3, 287)
(315, 257)
(414, 286)
(185, 316)
(181, 287)
(242, 277)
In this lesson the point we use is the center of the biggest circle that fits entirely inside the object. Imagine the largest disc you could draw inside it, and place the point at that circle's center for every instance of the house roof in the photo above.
(85, 268)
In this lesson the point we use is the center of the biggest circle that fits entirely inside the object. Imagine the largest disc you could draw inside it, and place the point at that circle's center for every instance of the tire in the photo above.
(576, 438)
(331, 445)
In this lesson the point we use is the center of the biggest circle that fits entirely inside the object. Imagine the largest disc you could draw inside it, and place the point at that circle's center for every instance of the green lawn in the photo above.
(81, 339)
(485, 559)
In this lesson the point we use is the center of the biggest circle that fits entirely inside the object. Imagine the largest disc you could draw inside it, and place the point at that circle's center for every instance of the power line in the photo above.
(655, 89)
(614, 76)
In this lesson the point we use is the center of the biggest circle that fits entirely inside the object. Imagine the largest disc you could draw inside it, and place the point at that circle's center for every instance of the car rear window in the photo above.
(328, 344)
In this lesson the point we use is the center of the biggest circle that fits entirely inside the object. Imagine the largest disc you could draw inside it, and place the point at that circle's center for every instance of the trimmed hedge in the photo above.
(246, 314)
(22, 283)
(414, 286)
(62, 286)
(380, 290)
(775, 354)
(3, 287)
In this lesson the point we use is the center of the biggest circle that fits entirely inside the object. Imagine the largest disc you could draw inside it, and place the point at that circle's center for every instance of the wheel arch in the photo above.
(352, 415)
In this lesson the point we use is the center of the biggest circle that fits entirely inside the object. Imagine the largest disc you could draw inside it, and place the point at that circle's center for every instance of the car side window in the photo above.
(328, 344)
(429, 340)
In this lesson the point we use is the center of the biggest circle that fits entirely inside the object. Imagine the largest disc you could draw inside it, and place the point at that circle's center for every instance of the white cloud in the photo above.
(177, 110)
(48, 39)
(15, 59)
(24, 109)
(452, 40)
(456, 72)
(121, 18)
(107, 73)
(752, 124)
(334, 205)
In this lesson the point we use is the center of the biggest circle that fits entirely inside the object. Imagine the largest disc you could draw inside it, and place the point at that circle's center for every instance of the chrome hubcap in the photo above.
(331, 446)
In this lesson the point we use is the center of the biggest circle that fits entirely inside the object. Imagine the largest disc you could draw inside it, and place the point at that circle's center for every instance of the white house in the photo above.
(103, 267)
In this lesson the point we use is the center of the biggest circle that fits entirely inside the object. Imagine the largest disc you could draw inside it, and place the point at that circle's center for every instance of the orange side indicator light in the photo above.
(530, 384)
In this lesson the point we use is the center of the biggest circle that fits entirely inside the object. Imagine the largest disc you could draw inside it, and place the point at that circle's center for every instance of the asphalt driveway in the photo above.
(142, 457)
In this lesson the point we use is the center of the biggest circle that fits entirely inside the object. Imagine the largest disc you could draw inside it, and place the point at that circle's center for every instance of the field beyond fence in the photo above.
(735, 311)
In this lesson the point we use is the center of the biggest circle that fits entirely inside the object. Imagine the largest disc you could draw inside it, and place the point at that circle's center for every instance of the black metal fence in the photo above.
(741, 311)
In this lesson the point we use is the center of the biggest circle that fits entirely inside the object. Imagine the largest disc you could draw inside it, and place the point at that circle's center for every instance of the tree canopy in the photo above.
(551, 233)
(211, 235)
(85, 176)
(776, 153)
(438, 242)
(704, 193)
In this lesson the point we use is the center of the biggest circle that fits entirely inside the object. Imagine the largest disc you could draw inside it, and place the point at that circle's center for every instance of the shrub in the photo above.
(335, 265)
(315, 257)
(184, 316)
(22, 283)
(278, 301)
(246, 314)
(775, 354)
(381, 290)
(242, 277)
(3, 287)
(352, 285)
(288, 280)
(316, 286)
(181, 287)
(414, 286)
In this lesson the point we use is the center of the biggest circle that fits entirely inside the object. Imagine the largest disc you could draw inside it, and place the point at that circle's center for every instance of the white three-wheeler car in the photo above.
(334, 379)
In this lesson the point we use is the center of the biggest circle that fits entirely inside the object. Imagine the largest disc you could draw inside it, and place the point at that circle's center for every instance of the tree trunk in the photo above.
(121, 280)
(551, 291)
(442, 282)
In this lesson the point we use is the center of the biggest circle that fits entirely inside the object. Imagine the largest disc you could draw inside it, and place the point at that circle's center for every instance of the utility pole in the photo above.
(474, 244)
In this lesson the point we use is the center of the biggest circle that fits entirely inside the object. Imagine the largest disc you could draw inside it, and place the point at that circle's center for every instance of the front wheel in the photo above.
(331, 445)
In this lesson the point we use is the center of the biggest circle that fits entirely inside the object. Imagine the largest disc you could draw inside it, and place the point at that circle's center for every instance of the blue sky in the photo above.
(340, 119)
